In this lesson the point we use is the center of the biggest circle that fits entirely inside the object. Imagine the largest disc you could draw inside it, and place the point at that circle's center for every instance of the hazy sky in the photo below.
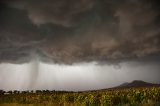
(83, 76)
(78, 44)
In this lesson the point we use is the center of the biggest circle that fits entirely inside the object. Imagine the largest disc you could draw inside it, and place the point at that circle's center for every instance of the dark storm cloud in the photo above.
(61, 12)
(69, 31)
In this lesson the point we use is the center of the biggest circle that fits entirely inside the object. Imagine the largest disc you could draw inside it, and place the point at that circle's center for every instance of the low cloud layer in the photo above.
(78, 30)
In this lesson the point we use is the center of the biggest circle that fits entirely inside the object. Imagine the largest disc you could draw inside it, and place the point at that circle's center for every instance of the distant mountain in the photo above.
(136, 83)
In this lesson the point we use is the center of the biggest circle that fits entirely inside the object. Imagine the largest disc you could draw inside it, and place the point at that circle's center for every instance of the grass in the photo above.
(116, 97)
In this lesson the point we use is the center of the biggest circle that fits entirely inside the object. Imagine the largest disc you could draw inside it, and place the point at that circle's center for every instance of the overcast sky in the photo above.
(78, 44)
(83, 76)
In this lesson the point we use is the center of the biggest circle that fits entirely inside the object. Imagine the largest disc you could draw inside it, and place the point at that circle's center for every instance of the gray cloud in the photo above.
(54, 11)
(76, 31)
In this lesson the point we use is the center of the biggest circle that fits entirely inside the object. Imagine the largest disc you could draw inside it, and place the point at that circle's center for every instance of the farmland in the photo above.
(112, 97)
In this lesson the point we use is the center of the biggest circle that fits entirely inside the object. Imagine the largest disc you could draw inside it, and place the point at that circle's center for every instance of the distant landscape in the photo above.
(137, 83)
(136, 93)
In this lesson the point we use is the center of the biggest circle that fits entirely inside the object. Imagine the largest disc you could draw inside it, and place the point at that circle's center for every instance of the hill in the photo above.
(137, 83)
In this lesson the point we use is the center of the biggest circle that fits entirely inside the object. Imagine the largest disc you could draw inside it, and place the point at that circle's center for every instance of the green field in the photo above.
(114, 97)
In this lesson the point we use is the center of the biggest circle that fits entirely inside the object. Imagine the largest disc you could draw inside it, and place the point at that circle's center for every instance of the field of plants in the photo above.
(113, 97)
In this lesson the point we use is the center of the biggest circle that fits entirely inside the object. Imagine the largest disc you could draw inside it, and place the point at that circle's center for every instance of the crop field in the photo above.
(113, 97)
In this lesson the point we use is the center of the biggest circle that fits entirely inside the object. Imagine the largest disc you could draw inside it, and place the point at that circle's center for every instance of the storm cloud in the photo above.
(71, 31)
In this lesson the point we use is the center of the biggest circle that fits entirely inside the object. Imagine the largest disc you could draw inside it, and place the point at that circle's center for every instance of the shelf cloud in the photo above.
(75, 31)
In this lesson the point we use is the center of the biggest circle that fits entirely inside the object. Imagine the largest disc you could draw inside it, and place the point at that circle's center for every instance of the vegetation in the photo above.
(113, 97)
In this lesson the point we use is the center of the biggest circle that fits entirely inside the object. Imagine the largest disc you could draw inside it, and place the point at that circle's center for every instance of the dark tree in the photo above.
(2, 92)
